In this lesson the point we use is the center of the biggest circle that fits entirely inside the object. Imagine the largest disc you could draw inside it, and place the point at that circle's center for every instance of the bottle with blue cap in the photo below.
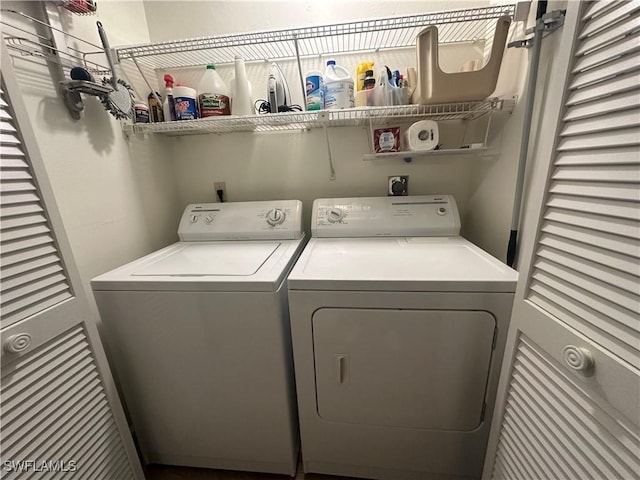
(338, 87)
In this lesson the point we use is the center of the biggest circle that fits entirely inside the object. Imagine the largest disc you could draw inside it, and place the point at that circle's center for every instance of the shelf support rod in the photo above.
(323, 118)
(332, 171)
(371, 145)
(488, 128)
(153, 90)
(302, 81)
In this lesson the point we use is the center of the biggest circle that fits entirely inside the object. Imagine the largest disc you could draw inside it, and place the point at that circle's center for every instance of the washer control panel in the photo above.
(269, 220)
(411, 216)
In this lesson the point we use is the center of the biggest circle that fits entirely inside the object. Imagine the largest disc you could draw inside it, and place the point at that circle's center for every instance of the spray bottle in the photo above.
(241, 103)
(169, 106)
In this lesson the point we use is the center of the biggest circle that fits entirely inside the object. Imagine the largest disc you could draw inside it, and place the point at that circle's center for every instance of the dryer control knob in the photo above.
(208, 219)
(442, 211)
(194, 218)
(334, 215)
(276, 216)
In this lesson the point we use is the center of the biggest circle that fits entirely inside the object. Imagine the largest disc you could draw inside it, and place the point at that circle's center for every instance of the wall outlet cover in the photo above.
(398, 186)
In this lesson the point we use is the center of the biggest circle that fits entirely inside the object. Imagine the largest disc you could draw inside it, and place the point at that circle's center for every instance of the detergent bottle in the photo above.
(314, 90)
(338, 87)
(185, 101)
(213, 94)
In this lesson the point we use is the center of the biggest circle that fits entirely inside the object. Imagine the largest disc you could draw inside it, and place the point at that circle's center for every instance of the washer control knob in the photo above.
(442, 211)
(579, 359)
(194, 218)
(334, 215)
(208, 219)
(17, 343)
(275, 216)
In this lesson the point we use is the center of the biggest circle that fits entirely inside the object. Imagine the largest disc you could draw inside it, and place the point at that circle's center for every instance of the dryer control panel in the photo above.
(269, 220)
(411, 216)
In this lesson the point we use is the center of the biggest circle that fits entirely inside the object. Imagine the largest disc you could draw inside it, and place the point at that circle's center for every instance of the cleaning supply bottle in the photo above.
(361, 73)
(338, 87)
(213, 94)
(314, 90)
(395, 78)
(385, 88)
(367, 96)
(155, 107)
(168, 107)
(185, 101)
(140, 112)
(241, 103)
(369, 80)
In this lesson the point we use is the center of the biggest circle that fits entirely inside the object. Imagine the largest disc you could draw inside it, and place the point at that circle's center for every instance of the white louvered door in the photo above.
(59, 411)
(569, 397)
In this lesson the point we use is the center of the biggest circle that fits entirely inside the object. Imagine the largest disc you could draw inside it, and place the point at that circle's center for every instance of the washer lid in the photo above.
(400, 264)
(231, 258)
(221, 266)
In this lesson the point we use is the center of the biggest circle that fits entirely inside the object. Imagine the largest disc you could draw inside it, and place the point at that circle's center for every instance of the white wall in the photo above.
(295, 165)
(117, 197)
(219, 17)
(489, 222)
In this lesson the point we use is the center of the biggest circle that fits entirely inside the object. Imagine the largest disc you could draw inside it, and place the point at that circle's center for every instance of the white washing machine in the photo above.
(198, 334)
(398, 327)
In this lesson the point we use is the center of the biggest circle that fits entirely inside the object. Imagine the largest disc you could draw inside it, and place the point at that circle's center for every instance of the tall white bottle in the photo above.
(241, 103)
(338, 87)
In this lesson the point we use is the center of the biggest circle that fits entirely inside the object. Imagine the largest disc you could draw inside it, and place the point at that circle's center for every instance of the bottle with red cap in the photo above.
(169, 107)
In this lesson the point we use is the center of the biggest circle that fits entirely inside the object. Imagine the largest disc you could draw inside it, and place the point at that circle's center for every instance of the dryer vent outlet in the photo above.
(398, 186)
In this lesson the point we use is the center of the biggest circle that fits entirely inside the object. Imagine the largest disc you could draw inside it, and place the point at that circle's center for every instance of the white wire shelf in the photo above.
(363, 116)
(399, 32)
(408, 156)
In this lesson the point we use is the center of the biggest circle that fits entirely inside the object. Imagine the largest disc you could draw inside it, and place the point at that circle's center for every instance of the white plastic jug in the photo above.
(338, 87)
(213, 94)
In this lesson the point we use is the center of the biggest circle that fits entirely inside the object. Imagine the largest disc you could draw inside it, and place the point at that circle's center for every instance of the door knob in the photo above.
(579, 359)
(17, 343)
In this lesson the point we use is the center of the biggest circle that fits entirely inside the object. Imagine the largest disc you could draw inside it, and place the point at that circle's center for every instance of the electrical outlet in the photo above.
(398, 186)
(221, 191)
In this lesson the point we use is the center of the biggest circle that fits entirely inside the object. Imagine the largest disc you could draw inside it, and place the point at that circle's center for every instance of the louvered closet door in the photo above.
(569, 395)
(58, 408)
(33, 277)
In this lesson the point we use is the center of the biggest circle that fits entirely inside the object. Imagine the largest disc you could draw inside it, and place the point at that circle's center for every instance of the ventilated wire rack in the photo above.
(353, 117)
(400, 32)
(27, 43)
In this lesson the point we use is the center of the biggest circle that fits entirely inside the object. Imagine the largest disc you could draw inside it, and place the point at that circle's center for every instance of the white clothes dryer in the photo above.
(398, 327)
(198, 335)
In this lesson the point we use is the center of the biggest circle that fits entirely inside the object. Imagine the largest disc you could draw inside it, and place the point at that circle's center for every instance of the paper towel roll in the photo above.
(422, 135)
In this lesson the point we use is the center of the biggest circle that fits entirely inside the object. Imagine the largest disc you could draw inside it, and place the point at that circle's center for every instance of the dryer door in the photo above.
(405, 368)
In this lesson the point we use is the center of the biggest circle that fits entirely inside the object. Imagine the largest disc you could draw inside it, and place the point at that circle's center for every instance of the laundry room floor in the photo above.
(167, 472)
